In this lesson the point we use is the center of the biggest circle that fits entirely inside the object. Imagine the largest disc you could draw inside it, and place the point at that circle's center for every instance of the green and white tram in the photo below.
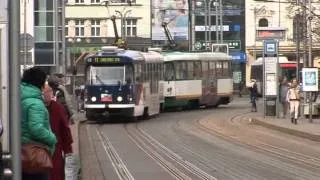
(194, 79)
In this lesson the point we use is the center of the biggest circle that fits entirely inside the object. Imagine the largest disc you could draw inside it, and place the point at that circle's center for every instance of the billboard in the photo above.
(310, 79)
(175, 14)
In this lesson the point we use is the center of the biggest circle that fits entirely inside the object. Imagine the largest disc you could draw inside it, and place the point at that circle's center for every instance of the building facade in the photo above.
(274, 20)
(89, 24)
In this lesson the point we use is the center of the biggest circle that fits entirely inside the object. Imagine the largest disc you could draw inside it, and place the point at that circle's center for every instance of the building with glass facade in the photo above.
(233, 18)
(49, 45)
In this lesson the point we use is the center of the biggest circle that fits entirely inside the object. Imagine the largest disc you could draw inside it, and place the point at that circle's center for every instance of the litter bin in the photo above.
(271, 107)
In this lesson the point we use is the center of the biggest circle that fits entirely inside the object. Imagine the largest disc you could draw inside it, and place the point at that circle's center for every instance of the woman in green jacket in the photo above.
(35, 125)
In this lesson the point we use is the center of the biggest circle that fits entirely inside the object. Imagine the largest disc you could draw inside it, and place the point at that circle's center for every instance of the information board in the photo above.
(310, 79)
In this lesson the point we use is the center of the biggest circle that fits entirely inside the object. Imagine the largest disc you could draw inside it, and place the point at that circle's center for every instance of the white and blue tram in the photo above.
(193, 79)
(123, 82)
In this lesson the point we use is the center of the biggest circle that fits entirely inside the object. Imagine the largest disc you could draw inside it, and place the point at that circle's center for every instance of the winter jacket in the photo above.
(35, 125)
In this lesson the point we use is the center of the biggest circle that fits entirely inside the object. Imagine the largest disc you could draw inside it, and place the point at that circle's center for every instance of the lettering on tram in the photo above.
(106, 60)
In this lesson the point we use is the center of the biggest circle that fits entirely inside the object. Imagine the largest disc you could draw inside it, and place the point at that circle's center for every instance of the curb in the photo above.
(293, 132)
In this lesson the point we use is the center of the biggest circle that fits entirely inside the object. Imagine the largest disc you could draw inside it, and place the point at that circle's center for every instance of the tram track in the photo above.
(172, 162)
(313, 163)
(117, 163)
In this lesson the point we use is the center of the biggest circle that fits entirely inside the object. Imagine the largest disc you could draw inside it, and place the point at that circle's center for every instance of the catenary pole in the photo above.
(14, 84)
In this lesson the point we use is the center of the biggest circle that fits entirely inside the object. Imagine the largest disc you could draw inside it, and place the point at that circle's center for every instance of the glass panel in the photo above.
(43, 19)
(44, 53)
(43, 5)
(169, 71)
(98, 32)
(43, 34)
(92, 31)
(134, 31)
(190, 70)
(107, 75)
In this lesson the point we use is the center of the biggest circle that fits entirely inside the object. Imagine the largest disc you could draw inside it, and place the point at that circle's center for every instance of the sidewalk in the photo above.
(303, 129)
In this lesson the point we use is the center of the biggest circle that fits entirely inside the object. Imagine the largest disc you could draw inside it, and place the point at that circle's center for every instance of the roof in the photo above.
(189, 56)
(282, 60)
(113, 51)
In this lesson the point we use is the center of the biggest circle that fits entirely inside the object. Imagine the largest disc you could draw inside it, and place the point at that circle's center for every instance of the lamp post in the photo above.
(73, 41)
(207, 19)
(123, 14)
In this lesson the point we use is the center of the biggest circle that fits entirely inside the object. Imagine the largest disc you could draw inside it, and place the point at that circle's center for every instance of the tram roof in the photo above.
(282, 60)
(189, 56)
(131, 54)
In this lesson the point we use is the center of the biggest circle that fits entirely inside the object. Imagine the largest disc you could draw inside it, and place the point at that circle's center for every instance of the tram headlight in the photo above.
(93, 99)
(119, 98)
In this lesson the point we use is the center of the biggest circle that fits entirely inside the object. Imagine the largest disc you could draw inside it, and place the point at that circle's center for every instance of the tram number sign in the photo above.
(106, 60)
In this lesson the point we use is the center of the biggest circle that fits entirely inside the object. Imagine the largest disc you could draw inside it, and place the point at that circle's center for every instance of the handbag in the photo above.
(35, 158)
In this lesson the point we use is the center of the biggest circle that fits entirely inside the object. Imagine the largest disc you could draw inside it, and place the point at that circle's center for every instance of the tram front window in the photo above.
(110, 75)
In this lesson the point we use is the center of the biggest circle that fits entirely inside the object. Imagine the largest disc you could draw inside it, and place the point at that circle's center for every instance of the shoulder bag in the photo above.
(35, 158)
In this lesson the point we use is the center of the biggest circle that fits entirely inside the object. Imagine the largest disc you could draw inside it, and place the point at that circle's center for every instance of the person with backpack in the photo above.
(253, 95)
(61, 95)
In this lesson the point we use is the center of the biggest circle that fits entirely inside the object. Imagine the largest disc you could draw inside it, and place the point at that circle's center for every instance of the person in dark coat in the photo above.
(61, 128)
(62, 95)
(253, 95)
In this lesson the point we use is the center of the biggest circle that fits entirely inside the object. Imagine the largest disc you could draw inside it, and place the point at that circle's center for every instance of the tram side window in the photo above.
(212, 66)
(169, 71)
(181, 70)
(190, 70)
(197, 70)
(225, 68)
(219, 68)
(205, 69)
(138, 73)
(129, 74)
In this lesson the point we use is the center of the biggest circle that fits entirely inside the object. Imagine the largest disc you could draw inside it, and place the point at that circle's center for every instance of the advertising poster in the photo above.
(175, 14)
(310, 79)
(271, 84)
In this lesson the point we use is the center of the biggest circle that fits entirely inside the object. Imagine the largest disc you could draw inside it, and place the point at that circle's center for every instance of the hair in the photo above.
(34, 76)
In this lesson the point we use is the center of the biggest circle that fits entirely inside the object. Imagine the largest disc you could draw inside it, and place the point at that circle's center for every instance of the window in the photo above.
(219, 68)
(190, 71)
(263, 22)
(181, 70)
(79, 1)
(169, 71)
(95, 28)
(197, 70)
(138, 73)
(205, 72)
(66, 28)
(80, 28)
(95, 1)
(225, 68)
(128, 1)
(212, 68)
(131, 25)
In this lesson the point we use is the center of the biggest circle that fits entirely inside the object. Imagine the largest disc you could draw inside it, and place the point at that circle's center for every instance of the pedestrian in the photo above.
(35, 125)
(61, 94)
(61, 127)
(293, 97)
(253, 95)
(284, 87)
(241, 84)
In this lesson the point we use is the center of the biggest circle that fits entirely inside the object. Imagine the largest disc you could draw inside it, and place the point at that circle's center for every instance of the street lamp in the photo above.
(123, 15)
(73, 41)
(207, 19)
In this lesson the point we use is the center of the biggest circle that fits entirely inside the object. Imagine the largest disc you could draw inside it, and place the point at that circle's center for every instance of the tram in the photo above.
(123, 82)
(194, 79)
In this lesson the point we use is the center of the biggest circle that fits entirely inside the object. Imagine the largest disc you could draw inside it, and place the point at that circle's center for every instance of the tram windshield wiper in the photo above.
(99, 79)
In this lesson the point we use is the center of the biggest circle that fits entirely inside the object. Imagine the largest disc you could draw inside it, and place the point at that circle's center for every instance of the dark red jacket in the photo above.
(60, 126)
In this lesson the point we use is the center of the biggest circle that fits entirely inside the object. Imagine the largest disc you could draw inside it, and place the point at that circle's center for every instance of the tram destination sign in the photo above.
(105, 59)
